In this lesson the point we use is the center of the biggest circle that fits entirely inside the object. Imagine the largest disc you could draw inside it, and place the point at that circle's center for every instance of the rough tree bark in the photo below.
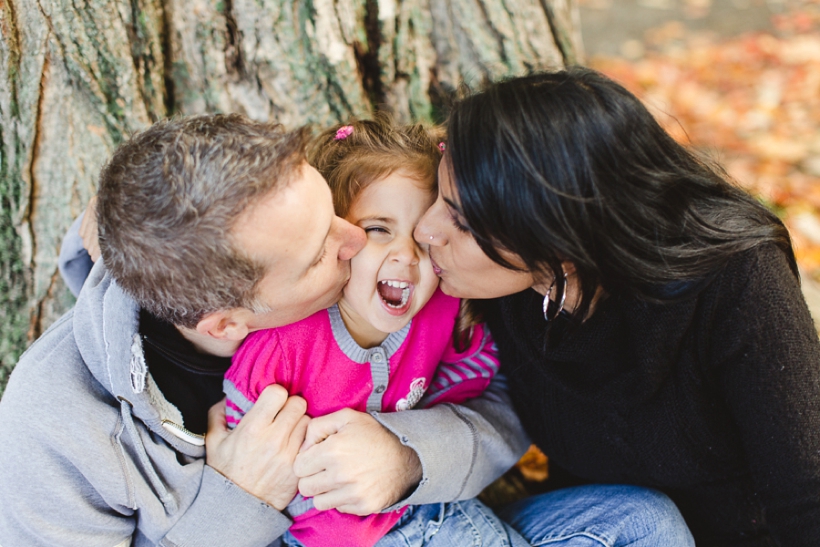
(76, 78)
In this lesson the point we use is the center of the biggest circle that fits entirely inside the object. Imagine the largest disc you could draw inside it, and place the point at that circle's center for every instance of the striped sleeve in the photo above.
(460, 377)
(236, 403)
(257, 364)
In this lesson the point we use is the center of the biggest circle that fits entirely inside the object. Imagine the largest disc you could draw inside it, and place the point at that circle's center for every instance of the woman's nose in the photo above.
(425, 232)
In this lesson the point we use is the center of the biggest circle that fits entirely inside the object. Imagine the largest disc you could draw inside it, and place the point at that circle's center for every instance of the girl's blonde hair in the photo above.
(352, 156)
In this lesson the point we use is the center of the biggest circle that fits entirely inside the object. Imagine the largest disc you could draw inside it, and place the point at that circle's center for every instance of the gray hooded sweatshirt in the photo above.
(92, 454)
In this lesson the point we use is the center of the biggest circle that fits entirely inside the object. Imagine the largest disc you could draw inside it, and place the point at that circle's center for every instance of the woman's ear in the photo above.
(225, 324)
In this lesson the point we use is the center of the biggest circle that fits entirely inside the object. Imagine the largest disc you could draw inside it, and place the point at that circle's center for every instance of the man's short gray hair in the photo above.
(168, 199)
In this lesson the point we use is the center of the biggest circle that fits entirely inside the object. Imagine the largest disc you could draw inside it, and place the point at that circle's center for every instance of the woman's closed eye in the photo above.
(455, 216)
(459, 225)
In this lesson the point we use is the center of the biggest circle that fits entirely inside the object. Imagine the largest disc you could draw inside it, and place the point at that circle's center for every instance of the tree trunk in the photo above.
(79, 77)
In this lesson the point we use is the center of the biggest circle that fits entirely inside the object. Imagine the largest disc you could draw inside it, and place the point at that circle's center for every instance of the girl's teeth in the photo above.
(396, 284)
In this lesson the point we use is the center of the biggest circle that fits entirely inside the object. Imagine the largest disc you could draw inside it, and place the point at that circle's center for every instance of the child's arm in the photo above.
(257, 364)
(237, 404)
(463, 375)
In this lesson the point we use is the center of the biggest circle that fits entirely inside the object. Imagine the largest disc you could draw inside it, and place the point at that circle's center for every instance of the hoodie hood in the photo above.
(106, 330)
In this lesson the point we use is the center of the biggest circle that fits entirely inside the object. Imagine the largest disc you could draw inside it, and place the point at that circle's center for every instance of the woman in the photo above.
(647, 312)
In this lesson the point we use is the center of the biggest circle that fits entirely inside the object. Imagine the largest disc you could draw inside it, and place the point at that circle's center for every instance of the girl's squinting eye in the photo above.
(376, 229)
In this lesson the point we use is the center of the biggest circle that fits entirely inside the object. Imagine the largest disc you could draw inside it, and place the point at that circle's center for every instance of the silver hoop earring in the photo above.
(546, 304)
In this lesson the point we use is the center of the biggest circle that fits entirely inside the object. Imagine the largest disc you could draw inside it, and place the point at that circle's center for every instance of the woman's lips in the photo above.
(436, 269)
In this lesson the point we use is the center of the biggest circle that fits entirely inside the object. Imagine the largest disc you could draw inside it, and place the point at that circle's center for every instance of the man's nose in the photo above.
(352, 239)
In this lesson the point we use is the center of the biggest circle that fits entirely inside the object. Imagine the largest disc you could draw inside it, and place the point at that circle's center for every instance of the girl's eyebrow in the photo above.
(374, 219)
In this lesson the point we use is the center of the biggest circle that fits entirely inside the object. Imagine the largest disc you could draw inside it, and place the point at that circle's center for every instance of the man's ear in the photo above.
(225, 324)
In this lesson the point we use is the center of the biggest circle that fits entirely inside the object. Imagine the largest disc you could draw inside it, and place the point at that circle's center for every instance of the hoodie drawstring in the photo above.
(165, 497)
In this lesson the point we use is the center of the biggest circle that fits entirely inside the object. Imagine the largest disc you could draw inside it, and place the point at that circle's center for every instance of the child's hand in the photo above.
(89, 232)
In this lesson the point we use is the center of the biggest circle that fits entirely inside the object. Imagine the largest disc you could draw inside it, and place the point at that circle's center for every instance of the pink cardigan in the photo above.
(319, 360)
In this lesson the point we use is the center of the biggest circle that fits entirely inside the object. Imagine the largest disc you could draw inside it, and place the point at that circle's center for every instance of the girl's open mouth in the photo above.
(396, 295)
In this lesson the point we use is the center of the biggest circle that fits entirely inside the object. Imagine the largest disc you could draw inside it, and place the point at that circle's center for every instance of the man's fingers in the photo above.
(297, 437)
(267, 406)
(308, 462)
(361, 463)
(318, 484)
(289, 418)
(258, 454)
(329, 500)
(338, 499)
(323, 427)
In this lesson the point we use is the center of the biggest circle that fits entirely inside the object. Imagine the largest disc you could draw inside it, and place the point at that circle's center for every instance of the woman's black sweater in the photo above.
(713, 399)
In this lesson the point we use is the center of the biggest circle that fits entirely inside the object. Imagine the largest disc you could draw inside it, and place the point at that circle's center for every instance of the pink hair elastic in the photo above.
(442, 147)
(343, 132)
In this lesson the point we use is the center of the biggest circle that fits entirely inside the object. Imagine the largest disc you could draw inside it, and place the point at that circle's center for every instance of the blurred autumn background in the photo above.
(739, 79)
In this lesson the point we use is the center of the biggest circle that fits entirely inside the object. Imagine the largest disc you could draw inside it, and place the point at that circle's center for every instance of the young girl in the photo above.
(388, 345)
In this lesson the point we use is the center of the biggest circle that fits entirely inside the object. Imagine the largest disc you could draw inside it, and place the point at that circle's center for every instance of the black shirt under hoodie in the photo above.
(190, 380)
(713, 399)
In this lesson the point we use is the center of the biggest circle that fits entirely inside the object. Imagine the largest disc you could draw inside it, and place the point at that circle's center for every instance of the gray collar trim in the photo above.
(353, 350)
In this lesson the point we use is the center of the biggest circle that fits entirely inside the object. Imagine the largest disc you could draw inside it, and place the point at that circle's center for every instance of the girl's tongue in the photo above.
(394, 293)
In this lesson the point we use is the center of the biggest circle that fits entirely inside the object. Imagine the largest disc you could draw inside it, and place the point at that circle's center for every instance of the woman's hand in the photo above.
(89, 231)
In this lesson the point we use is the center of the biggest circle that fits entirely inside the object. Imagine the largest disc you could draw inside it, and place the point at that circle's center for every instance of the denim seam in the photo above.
(475, 533)
(593, 537)
(491, 523)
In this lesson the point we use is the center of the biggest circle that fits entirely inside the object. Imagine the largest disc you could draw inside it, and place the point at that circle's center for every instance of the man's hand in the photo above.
(258, 455)
(351, 463)
(89, 231)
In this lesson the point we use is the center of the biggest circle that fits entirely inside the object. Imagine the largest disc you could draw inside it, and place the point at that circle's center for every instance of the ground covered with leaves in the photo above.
(751, 101)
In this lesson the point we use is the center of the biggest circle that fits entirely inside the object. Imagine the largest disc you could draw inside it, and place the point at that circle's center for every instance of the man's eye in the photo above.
(321, 258)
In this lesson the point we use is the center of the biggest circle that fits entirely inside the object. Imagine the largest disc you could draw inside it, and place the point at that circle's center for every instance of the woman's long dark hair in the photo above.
(569, 165)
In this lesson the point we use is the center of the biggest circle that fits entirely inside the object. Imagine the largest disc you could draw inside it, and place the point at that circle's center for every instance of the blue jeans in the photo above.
(456, 523)
(600, 516)
(584, 516)
(459, 523)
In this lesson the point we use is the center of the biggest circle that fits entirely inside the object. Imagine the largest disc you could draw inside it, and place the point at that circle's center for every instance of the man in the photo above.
(210, 227)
